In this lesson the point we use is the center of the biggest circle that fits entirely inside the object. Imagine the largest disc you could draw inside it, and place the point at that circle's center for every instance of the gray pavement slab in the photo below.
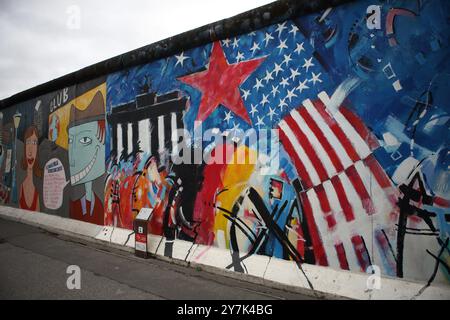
(33, 265)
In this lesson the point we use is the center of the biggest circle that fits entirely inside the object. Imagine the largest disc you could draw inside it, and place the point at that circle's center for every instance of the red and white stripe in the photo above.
(346, 191)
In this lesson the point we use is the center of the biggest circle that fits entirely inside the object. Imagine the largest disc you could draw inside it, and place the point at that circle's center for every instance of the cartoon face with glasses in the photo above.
(87, 157)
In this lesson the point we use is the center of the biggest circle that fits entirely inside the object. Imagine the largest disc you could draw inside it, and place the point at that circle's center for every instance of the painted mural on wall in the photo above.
(54, 153)
(362, 118)
(351, 160)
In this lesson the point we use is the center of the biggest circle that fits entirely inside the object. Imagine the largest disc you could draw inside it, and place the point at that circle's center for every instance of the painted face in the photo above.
(276, 189)
(86, 153)
(53, 128)
(31, 145)
(152, 172)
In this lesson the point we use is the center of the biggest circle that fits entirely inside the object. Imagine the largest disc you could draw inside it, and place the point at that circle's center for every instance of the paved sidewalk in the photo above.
(33, 265)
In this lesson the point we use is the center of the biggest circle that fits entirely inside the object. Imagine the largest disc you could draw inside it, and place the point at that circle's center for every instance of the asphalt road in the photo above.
(33, 265)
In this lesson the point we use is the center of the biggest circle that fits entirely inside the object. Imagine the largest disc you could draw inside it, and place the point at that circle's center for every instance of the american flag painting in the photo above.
(345, 190)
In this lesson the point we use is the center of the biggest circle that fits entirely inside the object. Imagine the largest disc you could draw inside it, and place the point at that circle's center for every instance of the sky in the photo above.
(41, 40)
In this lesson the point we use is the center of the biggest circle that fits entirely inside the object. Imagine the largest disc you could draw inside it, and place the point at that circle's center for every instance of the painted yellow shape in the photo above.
(63, 114)
(81, 103)
(235, 180)
(293, 235)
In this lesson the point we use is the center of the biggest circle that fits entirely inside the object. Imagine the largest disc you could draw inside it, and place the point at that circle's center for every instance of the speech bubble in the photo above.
(54, 183)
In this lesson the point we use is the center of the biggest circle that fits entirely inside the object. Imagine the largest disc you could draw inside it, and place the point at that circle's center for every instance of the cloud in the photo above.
(38, 42)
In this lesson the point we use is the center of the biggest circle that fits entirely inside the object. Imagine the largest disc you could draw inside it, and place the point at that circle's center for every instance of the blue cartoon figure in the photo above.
(87, 157)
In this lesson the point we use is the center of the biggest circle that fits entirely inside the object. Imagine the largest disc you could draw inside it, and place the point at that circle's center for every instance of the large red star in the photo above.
(220, 82)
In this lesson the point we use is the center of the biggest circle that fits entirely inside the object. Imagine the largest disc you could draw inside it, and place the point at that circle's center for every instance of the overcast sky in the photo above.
(43, 39)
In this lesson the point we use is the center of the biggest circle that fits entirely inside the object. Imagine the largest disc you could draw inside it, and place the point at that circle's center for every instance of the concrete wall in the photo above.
(352, 175)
